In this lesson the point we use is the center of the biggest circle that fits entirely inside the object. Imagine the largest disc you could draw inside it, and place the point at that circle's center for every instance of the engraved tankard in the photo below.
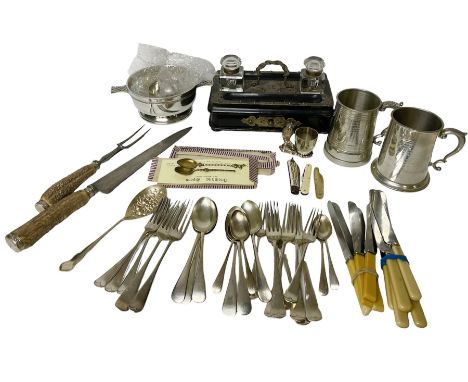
(407, 149)
(349, 142)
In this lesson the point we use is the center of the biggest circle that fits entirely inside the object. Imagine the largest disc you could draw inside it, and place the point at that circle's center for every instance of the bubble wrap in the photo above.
(175, 73)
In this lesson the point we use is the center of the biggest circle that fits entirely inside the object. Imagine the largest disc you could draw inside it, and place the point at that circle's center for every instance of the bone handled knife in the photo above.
(29, 233)
(346, 243)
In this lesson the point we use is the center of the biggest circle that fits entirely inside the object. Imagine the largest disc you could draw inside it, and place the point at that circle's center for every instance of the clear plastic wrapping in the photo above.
(166, 74)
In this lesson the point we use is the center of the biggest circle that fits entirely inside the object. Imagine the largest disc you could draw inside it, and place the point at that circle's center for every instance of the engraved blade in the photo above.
(113, 179)
(341, 229)
(356, 220)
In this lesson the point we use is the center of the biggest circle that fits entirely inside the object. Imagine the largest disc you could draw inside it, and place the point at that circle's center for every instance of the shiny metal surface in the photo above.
(156, 104)
(407, 149)
(204, 218)
(369, 245)
(324, 232)
(305, 140)
(382, 216)
(143, 204)
(254, 216)
(341, 229)
(173, 228)
(349, 142)
(357, 224)
(110, 181)
(275, 307)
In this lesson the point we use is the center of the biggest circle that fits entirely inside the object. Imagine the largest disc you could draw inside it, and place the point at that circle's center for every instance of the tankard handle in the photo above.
(384, 106)
(461, 142)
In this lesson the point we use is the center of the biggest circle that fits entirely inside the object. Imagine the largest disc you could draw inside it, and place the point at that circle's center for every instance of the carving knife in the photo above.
(346, 244)
(30, 232)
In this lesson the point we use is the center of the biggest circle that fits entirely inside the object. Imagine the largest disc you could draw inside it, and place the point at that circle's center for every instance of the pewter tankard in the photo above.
(349, 142)
(407, 149)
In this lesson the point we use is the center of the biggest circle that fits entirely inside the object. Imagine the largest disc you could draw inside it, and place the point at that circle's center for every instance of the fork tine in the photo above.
(121, 144)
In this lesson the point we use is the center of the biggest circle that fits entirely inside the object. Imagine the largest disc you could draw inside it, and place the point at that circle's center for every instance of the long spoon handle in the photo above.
(313, 312)
(199, 287)
(244, 305)
(230, 299)
(138, 302)
(104, 279)
(123, 302)
(323, 283)
(334, 283)
(114, 284)
(70, 264)
(249, 276)
(275, 307)
(263, 290)
(218, 283)
(178, 293)
(134, 270)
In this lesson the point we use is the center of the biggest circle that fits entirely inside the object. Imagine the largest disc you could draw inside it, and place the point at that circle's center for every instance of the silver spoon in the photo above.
(240, 231)
(254, 216)
(323, 233)
(204, 219)
(143, 204)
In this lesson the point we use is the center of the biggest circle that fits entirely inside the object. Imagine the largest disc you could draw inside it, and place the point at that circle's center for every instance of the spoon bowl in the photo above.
(188, 163)
(204, 215)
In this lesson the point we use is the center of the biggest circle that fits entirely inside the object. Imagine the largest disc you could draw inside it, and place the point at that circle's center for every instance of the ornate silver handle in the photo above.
(118, 89)
(384, 106)
(461, 142)
(376, 140)
(390, 105)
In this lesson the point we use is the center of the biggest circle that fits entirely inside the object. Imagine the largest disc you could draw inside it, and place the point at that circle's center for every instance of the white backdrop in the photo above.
(58, 62)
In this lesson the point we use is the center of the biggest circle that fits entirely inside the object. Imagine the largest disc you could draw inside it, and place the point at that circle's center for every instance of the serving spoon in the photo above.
(143, 204)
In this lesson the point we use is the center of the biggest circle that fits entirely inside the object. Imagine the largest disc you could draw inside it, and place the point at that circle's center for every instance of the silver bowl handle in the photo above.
(118, 89)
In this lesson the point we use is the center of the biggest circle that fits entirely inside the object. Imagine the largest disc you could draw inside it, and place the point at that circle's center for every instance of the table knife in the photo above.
(346, 244)
(356, 221)
(383, 221)
(30, 232)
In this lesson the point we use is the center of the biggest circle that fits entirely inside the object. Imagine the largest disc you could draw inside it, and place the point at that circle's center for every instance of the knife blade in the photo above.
(356, 221)
(388, 234)
(346, 244)
(371, 286)
(399, 292)
(29, 233)
(342, 231)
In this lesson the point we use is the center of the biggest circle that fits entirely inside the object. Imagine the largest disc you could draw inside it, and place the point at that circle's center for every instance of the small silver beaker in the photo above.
(305, 139)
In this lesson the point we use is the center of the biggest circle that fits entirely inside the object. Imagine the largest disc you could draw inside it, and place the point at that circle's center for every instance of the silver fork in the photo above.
(288, 233)
(302, 239)
(175, 232)
(155, 232)
(275, 307)
(117, 271)
(164, 232)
